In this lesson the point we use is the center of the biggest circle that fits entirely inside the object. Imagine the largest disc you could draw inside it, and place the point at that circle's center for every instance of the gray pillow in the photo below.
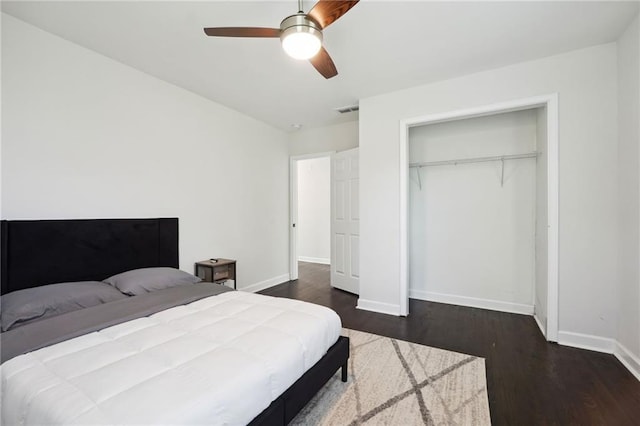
(141, 281)
(34, 304)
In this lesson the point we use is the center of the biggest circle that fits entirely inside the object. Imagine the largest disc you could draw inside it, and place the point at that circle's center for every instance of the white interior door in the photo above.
(345, 222)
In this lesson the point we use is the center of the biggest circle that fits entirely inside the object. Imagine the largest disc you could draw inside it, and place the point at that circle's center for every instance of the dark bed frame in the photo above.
(40, 252)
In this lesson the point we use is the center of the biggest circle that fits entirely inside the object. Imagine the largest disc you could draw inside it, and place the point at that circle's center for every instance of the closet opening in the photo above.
(480, 210)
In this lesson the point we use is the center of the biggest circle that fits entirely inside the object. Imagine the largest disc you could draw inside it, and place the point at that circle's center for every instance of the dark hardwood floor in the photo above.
(530, 381)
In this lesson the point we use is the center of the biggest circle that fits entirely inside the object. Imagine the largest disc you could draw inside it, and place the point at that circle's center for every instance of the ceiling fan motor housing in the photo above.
(299, 23)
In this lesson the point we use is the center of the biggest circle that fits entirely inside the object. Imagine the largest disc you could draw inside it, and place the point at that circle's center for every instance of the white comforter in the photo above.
(220, 360)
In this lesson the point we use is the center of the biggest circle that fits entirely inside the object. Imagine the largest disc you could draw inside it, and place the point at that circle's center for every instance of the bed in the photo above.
(182, 355)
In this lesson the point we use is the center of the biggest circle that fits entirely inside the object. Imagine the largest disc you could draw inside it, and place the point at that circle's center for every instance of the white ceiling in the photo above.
(378, 46)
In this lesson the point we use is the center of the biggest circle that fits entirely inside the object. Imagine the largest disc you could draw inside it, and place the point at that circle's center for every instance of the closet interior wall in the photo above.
(472, 225)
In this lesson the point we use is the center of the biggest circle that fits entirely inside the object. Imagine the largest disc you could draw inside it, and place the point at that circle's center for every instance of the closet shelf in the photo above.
(474, 160)
(500, 158)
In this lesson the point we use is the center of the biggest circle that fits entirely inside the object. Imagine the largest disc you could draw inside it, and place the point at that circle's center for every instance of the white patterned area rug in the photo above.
(393, 382)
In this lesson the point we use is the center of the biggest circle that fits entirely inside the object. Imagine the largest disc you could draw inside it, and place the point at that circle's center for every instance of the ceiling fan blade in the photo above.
(324, 64)
(243, 32)
(326, 12)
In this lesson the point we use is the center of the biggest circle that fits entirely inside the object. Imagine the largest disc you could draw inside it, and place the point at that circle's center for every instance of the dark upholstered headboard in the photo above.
(40, 252)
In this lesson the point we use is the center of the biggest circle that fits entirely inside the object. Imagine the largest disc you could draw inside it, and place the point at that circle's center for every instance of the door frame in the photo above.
(293, 207)
(549, 101)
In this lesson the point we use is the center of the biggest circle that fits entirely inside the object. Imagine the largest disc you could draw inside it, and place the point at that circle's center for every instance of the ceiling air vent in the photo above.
(348, 108)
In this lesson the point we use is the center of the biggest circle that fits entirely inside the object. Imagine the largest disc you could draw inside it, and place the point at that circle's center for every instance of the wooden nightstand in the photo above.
(216, 272)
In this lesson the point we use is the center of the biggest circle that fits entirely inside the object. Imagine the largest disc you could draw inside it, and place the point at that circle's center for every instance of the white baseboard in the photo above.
(604, 345)
(586, 341)
(628, 359)
(321, 260)
(253, 288)
(540, 326)
(380, 307)
(473, 302)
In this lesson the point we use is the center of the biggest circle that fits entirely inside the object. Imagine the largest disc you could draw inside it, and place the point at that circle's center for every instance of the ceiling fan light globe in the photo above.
(301, 45)
(301, 36)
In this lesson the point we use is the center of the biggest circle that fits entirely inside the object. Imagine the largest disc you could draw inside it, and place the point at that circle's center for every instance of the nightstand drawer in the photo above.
(221, 273)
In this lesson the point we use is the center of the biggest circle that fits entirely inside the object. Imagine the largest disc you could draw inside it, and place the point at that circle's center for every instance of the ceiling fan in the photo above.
(300, 34)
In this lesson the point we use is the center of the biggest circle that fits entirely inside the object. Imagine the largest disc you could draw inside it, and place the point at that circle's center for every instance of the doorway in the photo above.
(310, 203)
(325, 215)
(314, 210)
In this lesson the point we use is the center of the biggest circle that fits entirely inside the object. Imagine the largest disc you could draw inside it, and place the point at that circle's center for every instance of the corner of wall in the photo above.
(627, 339)
(603, 345)
(628, 359)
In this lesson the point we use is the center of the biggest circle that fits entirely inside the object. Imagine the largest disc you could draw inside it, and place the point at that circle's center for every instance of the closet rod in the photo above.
(474, 160)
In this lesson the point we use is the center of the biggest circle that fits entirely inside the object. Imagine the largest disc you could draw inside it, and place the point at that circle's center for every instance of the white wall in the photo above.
(628, 300)
(585, 81)
(471, 240)
(84, 136)
(542, 253)
(337, 137)
(1, 114)
(314, 214)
